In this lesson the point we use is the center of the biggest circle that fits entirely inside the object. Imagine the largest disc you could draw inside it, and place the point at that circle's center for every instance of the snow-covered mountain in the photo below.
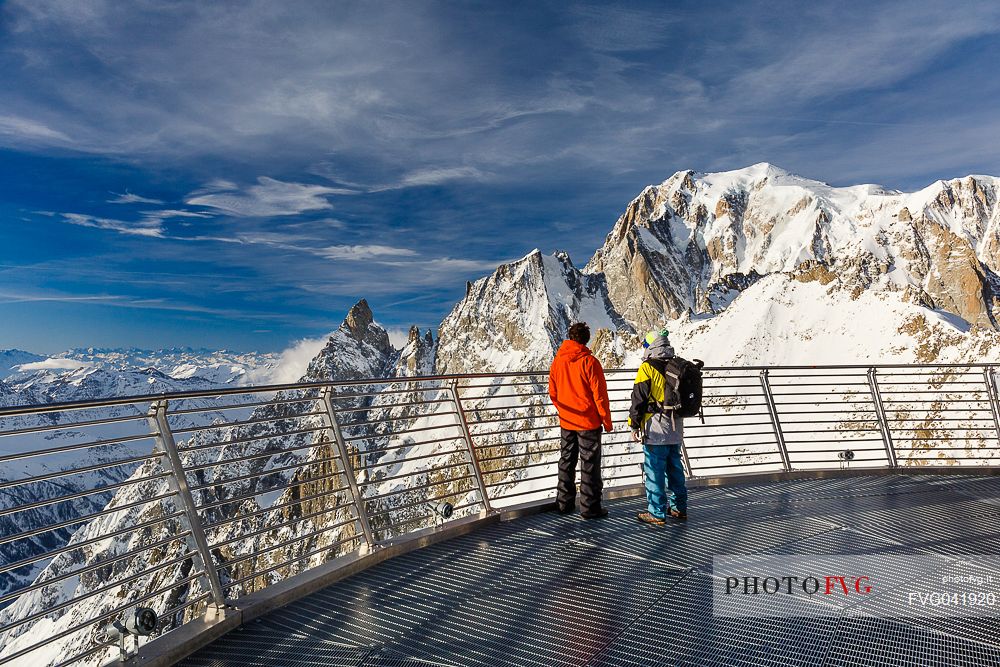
(358, 350)
(757, 266)
(51, 386)
(516, 318)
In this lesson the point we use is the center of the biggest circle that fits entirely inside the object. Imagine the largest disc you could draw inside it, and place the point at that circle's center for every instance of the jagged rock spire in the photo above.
(358, 319)
(359, 349)
(417, 357)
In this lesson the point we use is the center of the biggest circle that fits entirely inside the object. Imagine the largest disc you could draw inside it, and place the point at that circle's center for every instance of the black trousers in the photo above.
(585, 445)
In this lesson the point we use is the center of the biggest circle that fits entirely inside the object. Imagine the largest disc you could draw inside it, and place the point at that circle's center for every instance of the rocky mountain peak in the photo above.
(414, 336)
(358, 319)
(359, 349)
(563, 257)
(517, 317)
(696, 241)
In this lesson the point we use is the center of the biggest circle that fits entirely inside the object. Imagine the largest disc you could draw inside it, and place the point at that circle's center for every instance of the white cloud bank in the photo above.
(398, 337)
(291, 364)
(54, 364)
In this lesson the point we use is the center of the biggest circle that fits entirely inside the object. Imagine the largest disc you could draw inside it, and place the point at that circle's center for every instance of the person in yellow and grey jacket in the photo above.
(654, 420)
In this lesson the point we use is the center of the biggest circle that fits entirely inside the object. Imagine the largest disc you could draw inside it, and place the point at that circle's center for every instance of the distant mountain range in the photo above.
(217, 366)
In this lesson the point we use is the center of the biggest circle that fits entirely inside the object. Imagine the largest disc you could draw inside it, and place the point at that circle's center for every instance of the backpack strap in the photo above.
(659, 365)
(654, 407)
(672, 370)
(672, 374)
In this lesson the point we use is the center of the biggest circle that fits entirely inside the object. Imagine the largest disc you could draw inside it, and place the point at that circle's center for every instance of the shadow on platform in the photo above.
(548, 590)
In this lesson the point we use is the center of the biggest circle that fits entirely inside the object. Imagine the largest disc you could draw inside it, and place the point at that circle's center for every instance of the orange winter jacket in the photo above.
(578, 389)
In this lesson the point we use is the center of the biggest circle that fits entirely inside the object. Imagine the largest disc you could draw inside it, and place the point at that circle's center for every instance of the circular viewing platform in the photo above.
(546, 589)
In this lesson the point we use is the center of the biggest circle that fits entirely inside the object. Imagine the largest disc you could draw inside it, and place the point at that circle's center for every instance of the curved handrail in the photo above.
(297, 476)
(268, 388)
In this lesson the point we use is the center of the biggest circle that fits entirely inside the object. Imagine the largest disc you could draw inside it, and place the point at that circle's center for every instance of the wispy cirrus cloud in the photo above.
(19, 129)
(443, 175)
(150, 228)
(363, 252)
(434, 176)
(150, 224)
(33, 297)
(269, 197)
(131, 198)
(138, 303)
(875, 49)
(627, 29)
(451, 264)
(168, 214)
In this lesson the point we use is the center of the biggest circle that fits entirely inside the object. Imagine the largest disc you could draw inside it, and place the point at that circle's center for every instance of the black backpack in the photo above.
(684, 384)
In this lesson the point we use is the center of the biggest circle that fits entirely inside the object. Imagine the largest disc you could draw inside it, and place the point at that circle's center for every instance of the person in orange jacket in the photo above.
(580, 393)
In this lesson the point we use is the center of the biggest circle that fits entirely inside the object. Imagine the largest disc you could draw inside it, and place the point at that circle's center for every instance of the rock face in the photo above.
(689, 245)
(417, 357)
(359, 349)
(649, 275)
(516, 318)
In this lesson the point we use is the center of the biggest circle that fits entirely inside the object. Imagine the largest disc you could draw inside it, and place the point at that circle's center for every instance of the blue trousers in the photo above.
(665, 487)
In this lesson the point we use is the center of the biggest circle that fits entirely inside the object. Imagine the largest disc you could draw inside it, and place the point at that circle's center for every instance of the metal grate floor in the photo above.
(550, 590)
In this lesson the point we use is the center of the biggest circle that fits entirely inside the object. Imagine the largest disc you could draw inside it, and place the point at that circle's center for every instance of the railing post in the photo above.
(990, 376)
(178, 483)
(345, 466)
(773, 409)
(477, 471)
(883, 421)
(686, 461)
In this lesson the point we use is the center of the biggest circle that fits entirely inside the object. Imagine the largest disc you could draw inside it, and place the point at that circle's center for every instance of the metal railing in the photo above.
(187, 501)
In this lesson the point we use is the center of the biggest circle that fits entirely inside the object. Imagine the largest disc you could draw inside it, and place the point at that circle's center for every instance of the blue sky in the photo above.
(239, 174)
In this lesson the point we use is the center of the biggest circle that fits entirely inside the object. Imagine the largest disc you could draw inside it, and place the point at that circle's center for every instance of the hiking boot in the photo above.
(651, 519)
(565, 510)
(678, 515)
(599, 513)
